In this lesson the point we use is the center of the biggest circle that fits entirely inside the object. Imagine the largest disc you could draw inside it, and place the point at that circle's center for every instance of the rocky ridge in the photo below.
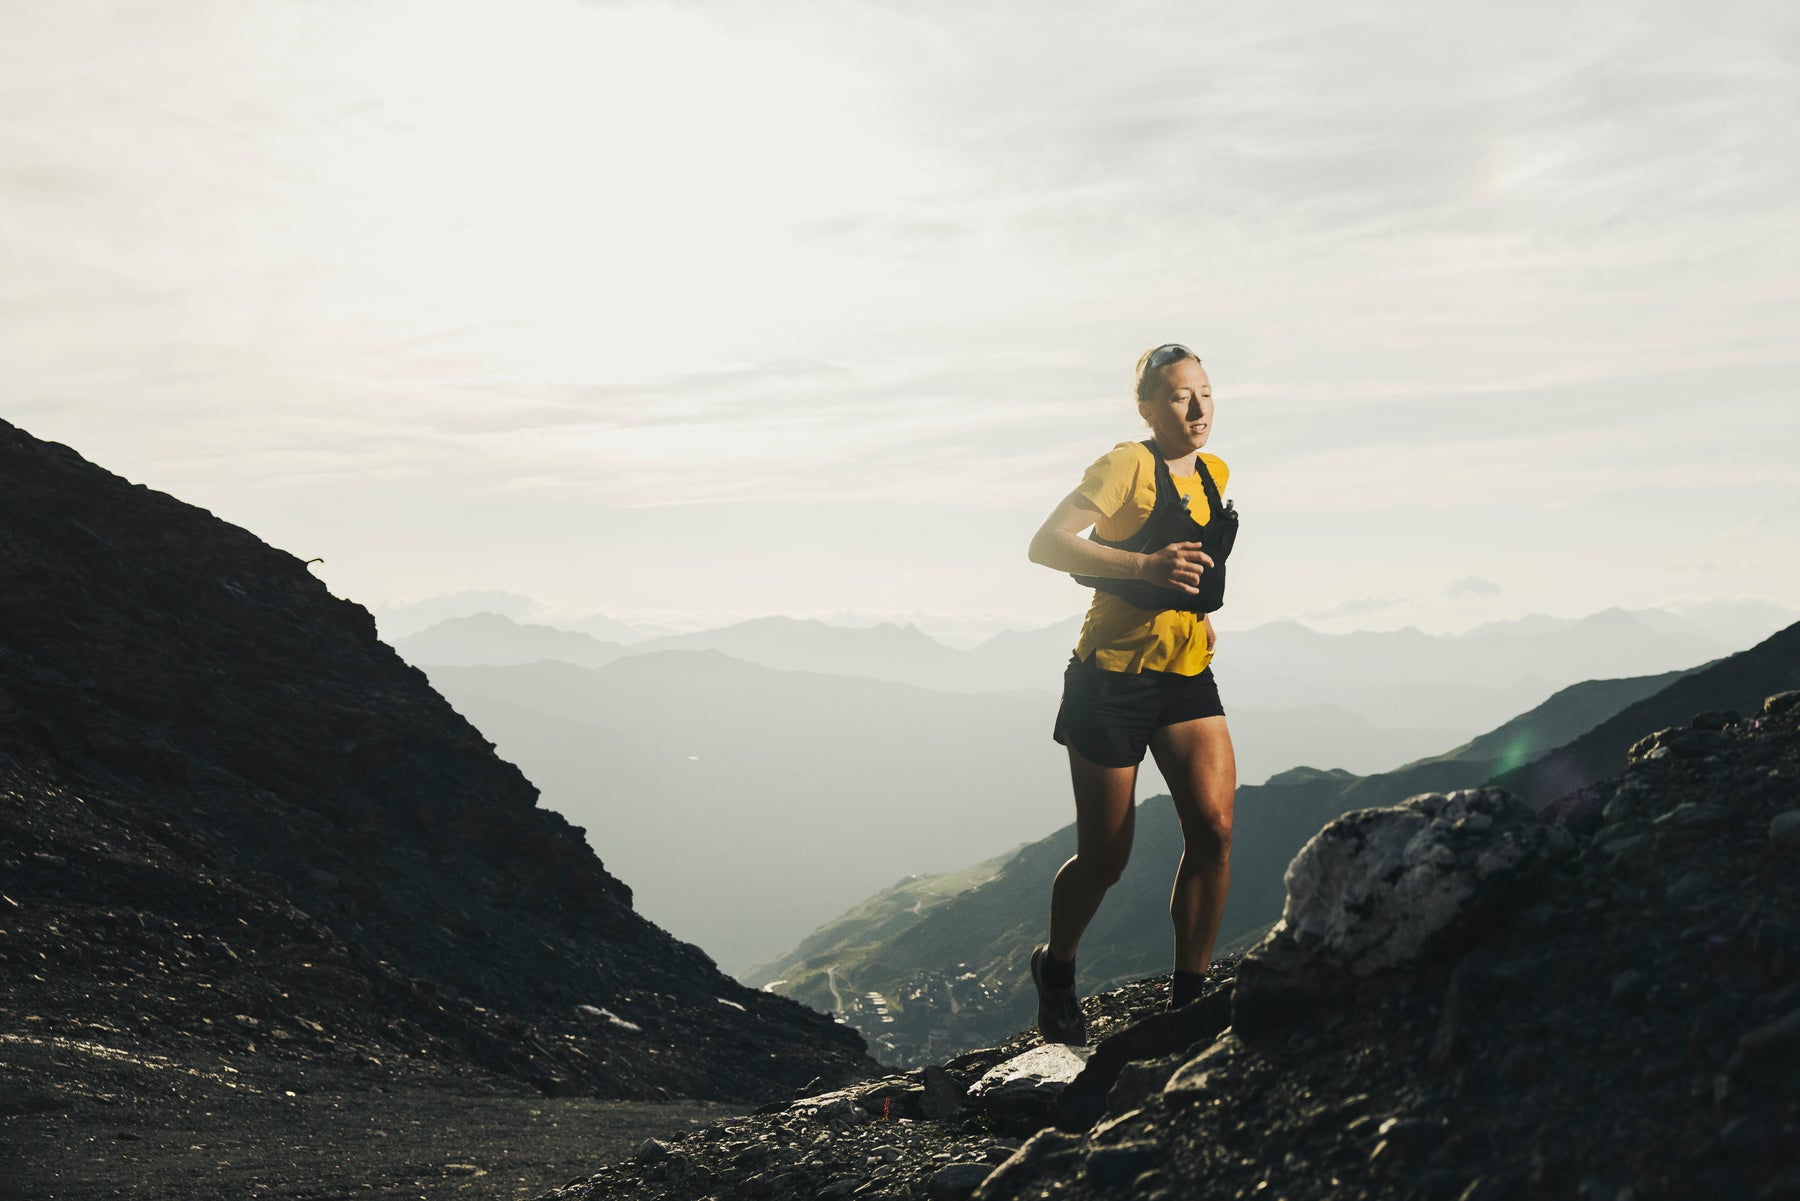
(1600, 1001)
(238, 832)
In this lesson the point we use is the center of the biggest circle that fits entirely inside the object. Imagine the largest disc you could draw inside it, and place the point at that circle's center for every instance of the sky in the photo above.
(688, 312)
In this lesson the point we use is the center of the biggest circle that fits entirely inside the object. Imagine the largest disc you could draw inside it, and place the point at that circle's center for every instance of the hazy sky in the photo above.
(696, 311)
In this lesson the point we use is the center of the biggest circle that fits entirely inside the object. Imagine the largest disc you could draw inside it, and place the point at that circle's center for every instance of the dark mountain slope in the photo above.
(1738, 682)
(1567, 714)
(231, 818)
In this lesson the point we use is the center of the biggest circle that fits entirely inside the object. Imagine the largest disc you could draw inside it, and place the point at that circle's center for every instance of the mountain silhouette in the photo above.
(237, 828)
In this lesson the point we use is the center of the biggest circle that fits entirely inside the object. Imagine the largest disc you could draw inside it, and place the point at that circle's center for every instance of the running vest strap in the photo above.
(1169, 521)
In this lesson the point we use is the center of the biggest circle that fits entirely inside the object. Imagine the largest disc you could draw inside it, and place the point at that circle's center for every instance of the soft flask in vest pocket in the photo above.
(1169, 521)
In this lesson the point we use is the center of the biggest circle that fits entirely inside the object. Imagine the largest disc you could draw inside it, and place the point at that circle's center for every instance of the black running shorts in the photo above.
(1108, 715)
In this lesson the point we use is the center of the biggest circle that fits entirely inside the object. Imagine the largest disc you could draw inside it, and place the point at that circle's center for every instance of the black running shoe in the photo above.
(1059, 1009)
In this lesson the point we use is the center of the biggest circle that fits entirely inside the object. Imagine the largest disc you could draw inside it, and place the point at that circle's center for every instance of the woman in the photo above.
(1141, 677)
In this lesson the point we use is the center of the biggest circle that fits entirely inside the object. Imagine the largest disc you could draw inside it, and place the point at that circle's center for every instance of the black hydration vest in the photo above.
(1169, 521)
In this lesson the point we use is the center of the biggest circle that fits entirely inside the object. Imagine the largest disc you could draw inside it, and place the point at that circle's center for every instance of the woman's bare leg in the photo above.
(1104, 822)
(1200, 767)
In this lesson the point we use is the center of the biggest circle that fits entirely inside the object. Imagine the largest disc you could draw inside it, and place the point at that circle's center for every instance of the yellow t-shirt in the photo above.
(1121, 636)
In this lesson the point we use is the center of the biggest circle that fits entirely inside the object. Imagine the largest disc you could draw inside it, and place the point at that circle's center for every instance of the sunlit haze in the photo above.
(685, 312)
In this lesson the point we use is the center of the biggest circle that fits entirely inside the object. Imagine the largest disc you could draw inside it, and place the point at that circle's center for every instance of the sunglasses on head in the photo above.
(1168, 352)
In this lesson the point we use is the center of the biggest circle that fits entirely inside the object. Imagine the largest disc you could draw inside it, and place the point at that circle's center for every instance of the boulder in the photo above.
(1022, 1091)
(1180, 1031)
(1378, 889)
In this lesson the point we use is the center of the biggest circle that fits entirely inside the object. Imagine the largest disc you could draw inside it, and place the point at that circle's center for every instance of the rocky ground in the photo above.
(1600, 1002)
(123, 1123)
(247, 852)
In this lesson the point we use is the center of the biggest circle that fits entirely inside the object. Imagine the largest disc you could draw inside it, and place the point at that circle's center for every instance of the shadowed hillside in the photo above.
(1734, 683)
(239, 834)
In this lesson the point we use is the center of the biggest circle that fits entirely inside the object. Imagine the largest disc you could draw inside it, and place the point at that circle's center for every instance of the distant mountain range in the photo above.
(1396, 679)
(689, 756)
(491, 638)
(909, 954)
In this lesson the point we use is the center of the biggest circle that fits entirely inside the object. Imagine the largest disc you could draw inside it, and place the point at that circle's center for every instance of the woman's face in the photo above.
(1179, 408)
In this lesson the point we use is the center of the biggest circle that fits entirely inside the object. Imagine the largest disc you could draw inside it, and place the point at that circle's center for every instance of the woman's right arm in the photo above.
(1058, 545)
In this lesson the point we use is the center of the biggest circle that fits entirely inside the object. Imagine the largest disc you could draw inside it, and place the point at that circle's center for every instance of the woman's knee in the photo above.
(1209, 834)
(1105, 866)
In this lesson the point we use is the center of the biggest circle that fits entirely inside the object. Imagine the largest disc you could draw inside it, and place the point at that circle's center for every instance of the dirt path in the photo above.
(837, 998)
(146, 1131)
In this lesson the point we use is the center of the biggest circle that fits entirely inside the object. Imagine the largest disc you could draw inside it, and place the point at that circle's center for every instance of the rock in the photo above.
(1139, 1080)
(1380, 888)
(1784, 830)
(1413, 1133)
(1780, 703)
(944, 1095)
(1047, 1068)
(1522, 1065)
(1047, 1147)
(1110, 1167)
(891, 1097)
(1715, 719)
(1785, 1187)
(1629, 988)
(837, 1106)
(1686, 889)
(1201, 1078)
(1744, 1138)
(1692, 815)
(1710, 1022)
(1775, 944)
(651, 1150)
(1279, 982)
(1650, 746)
(1625, 827)
(1768, 1049)
(955, 1181)
(1022, 1091)
(1623, 805)
(1696, 744)
(1178, 1032)
(1619, 848)
(1154, 1185)
(1376, 888)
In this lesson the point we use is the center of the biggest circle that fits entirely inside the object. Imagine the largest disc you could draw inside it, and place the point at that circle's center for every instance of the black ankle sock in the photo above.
(1187, 987)
(1057, 973)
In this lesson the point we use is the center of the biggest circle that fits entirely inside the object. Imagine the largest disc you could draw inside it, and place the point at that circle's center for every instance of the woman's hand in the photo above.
(1177, 565)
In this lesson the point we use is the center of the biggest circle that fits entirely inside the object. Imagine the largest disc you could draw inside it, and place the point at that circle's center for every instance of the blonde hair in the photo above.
(1144, 377)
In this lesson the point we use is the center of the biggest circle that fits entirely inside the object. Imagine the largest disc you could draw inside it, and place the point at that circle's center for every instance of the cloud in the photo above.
(1471, 587)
